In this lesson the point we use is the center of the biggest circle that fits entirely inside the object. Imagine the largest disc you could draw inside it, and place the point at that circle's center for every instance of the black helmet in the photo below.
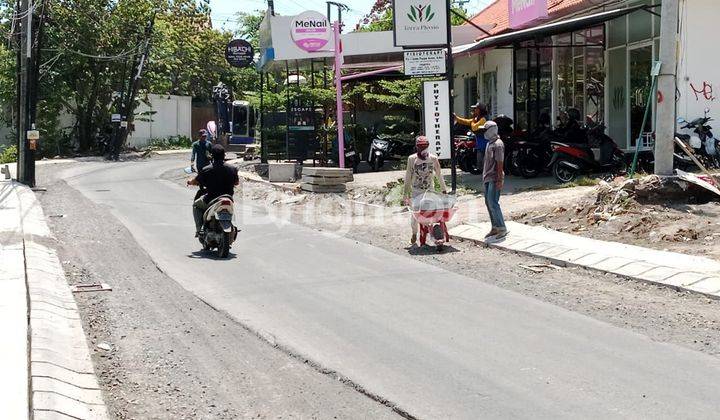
(218, 153)
(574, 114)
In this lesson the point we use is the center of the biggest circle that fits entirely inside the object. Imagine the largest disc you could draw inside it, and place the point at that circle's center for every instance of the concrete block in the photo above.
(87, 396)
(328, 172)
(683, 279)
(323, 188)
(635, 269)
(707, 286)
(660, 274)
(282, 172)
(47, 370)
(590, 260)
(47, 402)
(539, 248)
(612, 264)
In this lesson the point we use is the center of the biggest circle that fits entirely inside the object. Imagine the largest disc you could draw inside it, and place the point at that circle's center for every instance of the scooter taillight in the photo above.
(226, 202)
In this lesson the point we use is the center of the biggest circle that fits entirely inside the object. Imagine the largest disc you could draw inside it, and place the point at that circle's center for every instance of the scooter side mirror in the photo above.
(681, 120)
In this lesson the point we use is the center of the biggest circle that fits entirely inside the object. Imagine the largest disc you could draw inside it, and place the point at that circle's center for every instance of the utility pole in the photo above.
(25, 46)
(451, 91)
(667, 84)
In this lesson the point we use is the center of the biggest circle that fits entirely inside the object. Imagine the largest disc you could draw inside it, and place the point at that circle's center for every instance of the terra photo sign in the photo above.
(420, 23)
(310, 31)
(239, 53)
(436, 110)
(424, 62)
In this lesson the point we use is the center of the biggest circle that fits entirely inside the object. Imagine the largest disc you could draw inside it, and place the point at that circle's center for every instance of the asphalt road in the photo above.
(435, 343)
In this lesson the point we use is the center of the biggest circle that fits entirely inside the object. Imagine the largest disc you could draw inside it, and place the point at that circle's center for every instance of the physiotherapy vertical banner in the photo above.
(436, 110)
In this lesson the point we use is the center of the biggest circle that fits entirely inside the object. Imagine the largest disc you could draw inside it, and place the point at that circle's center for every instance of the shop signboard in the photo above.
(420, 23)
(436, 110)
(310, 31)
(424, 62)
(239, 53)
(525, 12)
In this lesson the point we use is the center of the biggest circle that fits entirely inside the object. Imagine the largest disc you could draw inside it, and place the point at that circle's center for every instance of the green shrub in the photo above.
(170, 143)
(8, 154)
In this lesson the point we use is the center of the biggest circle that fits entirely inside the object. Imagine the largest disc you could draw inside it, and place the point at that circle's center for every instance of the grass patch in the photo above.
(169, 143)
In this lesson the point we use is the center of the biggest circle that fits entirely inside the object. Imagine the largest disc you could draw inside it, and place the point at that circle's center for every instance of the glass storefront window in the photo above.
(617, 96)
(565, 77)
(617, 32)
(640, 25)
(595, 83)
(640, 80)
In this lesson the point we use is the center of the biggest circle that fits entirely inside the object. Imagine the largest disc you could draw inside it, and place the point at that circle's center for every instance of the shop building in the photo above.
(593, 56)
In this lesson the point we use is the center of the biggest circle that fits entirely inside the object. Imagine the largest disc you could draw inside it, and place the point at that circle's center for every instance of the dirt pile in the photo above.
(661, 213)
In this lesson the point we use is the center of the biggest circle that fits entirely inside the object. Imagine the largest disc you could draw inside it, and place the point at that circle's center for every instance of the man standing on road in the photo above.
(494, 179)
(476, 123)
(217, 179)
(200, 150)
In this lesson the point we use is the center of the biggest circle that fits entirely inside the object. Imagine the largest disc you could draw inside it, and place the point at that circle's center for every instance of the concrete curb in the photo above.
(247, 176)
(678, 271)
(14, 363)
(62, 377)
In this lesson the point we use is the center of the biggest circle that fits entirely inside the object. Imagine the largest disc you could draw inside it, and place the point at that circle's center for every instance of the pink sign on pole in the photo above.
(524, 12)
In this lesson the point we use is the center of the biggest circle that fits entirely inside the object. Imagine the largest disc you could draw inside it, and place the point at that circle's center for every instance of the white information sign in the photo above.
(116, 118)
(420, 23)
(424, 62)
(436, 108)
(33, 135)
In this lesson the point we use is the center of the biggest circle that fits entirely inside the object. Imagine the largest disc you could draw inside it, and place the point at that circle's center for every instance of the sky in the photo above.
(223, 11)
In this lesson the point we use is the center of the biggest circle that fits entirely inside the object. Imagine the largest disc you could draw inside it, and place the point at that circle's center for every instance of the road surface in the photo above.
(433, 343)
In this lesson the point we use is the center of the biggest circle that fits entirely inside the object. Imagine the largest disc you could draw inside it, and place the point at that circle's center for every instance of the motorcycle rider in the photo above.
(476, 123)
(422, 168)
(216, 179)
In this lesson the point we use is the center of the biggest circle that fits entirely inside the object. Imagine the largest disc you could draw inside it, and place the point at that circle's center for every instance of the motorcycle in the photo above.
(572, 159)
(704, 143)
(218, 231)
(352, 158)
(390, 147)
(465, 153)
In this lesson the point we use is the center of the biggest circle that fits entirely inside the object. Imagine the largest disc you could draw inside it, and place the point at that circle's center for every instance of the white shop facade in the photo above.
(598, 60)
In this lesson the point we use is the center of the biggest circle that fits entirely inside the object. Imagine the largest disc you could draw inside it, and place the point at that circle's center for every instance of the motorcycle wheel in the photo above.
(375, 164)
(224, 246)
(563, 174)
(525, 166)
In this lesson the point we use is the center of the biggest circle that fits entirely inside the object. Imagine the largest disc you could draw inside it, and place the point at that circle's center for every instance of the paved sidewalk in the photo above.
(686, 272)
(47, 371)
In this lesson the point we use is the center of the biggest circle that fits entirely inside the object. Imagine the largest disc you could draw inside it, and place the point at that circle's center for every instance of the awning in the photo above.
(550, 29)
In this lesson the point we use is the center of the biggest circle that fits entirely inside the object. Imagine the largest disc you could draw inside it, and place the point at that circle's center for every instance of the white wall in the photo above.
(172, 118)
(499, 60)
(699, 62)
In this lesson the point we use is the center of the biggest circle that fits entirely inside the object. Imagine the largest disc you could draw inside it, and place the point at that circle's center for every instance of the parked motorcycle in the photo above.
(390, 148)
(573, 159)
(704, 144)
(465, 154)
(218, 229)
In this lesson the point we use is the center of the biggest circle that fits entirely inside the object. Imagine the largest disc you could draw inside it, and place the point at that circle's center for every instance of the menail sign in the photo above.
(525, 12)
(310, 31)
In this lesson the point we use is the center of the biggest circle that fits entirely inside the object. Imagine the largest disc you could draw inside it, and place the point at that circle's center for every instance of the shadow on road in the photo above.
(210, 255)
(430, 250)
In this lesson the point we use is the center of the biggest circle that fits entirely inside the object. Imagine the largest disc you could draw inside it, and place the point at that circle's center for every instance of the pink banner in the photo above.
(524, 12)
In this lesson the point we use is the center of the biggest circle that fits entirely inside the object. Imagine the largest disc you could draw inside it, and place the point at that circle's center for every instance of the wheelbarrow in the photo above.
(432, 212)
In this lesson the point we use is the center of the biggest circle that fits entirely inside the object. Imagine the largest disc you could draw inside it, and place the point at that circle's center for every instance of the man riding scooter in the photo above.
(216, 180)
